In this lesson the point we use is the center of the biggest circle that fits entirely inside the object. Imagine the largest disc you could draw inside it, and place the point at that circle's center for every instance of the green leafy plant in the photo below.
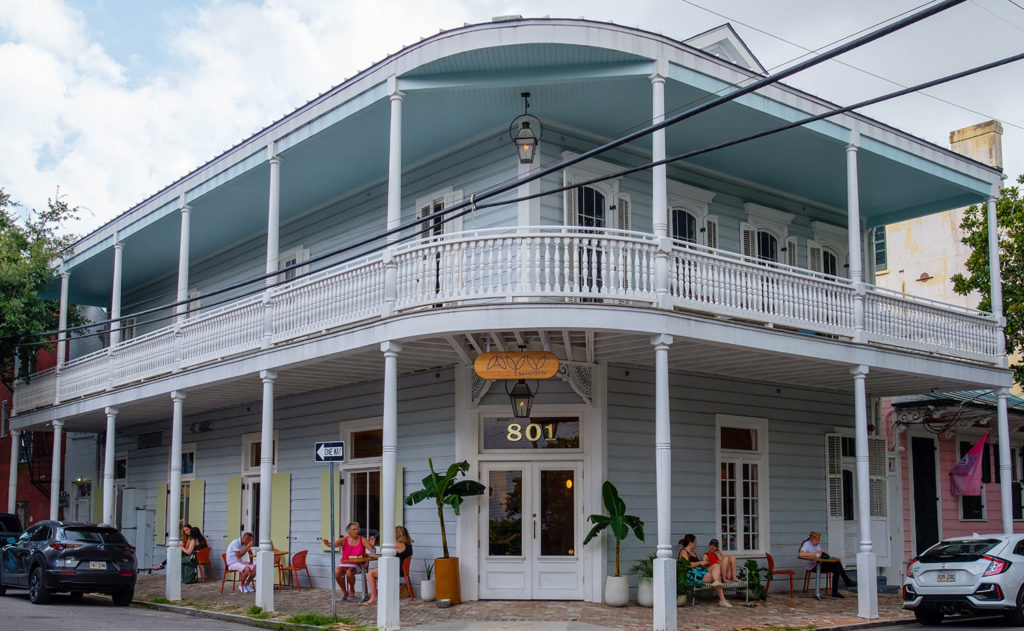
(429, 566)
(160, 600)
(644, 568)
(257, 612)
(684, 584)
(617, 520)
(753, 575)
(446, 491)
(312, 619)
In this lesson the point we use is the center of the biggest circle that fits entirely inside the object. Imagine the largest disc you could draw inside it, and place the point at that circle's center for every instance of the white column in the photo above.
(63, 320)
(183, 246)
(995, 274)
(387, 567)
(394, 196)
(1005, 464)
(115, 293)
(12, 481)
(265, 556)
(854, 236)
(664, 564)
(273, 214)
(55, 481)
(173, 587)
(867, 589)
(659, 188)
(108, 468)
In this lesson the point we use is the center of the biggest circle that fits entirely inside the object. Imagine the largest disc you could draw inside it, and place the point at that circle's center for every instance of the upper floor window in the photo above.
(291, 258)
(829, 263)
(767, 246)
(688, 213)
(881, 255)
(434, 225)
(590, 206)
(599, 205)
(765, 234)
(826, 253)
(684, 226)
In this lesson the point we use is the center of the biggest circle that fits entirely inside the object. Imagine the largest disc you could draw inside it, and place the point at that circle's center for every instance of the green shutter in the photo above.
(325, 502)
(233, 525)
(97, 504)
(281, 509)
(196, 500)
(160, 527)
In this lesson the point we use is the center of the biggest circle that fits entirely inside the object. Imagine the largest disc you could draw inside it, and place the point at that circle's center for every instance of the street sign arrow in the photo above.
(330, 451)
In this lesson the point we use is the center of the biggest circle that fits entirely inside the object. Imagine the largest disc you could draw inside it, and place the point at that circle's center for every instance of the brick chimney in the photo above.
(982, 142)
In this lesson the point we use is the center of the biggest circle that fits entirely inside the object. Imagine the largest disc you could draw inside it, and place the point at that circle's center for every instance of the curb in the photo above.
(227, 617)
(867, 625)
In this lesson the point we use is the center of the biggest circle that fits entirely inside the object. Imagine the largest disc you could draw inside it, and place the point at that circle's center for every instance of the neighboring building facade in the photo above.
(718, 343)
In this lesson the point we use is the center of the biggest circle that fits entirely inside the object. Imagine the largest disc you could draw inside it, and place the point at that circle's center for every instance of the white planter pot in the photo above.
(645, 592)
(427, 591)
(616, 591)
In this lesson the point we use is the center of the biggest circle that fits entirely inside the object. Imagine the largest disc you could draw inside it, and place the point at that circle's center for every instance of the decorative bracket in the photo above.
(578, 375)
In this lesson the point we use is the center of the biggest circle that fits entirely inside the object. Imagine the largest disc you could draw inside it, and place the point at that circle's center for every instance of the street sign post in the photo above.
(331, 452)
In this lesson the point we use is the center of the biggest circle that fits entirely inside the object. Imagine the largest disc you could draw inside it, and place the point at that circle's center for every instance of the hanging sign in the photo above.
(516, 365)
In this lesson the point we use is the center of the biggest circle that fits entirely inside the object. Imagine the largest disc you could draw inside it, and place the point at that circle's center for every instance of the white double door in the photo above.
(531, 531)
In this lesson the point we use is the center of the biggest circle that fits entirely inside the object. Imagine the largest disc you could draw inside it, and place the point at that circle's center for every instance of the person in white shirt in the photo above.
(239, 557)
(812, 553)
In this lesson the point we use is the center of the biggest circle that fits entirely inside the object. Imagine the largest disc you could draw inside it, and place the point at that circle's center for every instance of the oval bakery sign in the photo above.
(516, 365)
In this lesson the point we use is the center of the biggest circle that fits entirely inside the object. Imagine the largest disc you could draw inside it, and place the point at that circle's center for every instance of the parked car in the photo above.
(980, 574)
(10, 528)
(73, 557)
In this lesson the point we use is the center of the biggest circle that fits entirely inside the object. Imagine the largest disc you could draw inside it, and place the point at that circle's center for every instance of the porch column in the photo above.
(273, 213)
(115, 293)
(664, 564)
(183, 246)
(853, 236)
(387, 567)
(108, 468)
(659, 187)
(55, 481)
(1005, 464)
(12, 481)
(62, 324)
(394, 196)
(265, 556)
(173, 587)
(867, 590)
(995, 274)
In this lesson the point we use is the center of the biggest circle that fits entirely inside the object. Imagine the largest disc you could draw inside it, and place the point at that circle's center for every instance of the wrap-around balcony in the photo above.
(587, 266)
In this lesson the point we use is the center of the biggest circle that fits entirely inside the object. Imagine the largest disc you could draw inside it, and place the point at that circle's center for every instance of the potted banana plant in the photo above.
(616, 587)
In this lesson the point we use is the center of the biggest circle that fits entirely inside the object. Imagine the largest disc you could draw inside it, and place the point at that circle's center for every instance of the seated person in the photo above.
(811, 552)
(238, 549)
(702, 570)
(714, 556)
(189, 561)
(403, 550)
(352, 545)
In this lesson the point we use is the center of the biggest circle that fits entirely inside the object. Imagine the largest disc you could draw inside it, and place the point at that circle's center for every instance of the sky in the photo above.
(109, 101)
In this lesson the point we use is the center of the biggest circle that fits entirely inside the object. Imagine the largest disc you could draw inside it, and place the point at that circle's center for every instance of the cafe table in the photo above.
(817, 575)
(362, 562)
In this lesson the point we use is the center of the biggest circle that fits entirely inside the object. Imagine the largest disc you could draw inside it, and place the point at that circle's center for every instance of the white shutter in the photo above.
(791, 252)
(711, 232)
(748, 240)
(455, 225)
(622, 212)
(834, 474)
(813, 256)
(876, 475)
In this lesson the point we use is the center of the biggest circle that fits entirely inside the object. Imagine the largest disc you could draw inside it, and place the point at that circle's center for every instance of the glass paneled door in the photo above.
(530, 531)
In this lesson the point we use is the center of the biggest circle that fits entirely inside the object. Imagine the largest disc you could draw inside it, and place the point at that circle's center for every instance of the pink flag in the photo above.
(965, 478)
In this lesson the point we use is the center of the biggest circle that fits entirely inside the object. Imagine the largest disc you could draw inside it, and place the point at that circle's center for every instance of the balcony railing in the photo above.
(557, 264)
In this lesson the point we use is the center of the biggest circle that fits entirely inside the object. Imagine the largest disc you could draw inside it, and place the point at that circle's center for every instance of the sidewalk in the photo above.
(778, 613)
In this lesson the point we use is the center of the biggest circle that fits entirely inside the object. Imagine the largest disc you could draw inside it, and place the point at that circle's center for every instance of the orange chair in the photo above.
(807, 580)
(298, 563)
(203, 558)
(233, 573)
(405, 575)
(773, 572)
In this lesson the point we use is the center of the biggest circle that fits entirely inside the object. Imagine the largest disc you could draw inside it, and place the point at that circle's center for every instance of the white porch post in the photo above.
(108, 468)
(659, 188)
(183, 247)
(394, 196)
(173, 587)
(853, 236)
(1005, 464)
(115, 293)
(62, 324)
(867, 590)
(664, 564)
(387, 567)
(273, 213)
(265, 556)
(55, 481)
(12, 481)
(995, 274)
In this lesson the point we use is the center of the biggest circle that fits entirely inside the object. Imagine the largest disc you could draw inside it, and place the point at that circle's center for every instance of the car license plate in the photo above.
(102, 565)
(946, 577)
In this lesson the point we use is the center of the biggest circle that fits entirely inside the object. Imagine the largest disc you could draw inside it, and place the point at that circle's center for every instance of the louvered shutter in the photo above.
(876, 469)
(623, 222)
(791, 252)
(451, 199)
(813, 256)
(748, 240)
(834, 474)
(622, 207)
(711, 232)
(571, 201)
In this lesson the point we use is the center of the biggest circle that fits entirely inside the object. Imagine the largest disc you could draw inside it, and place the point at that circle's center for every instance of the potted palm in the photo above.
(616, 588)
(445, 490)
(644, 571)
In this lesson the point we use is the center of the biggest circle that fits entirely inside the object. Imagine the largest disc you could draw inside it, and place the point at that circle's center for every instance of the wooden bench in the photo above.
(734, 586)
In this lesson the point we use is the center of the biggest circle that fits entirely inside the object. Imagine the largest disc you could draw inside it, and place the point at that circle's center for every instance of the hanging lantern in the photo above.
(521, 398)
(525, 131)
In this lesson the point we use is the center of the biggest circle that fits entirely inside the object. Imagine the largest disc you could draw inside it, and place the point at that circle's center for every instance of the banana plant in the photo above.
(446, 491)
(617, 520)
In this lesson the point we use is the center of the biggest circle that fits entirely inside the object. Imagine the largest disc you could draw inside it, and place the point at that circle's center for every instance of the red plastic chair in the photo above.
(405, 575)
(203, 558)
(773, 572)
(234, 574)
(298, 563)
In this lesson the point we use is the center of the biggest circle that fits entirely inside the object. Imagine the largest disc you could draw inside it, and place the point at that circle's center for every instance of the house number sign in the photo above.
(532, 433)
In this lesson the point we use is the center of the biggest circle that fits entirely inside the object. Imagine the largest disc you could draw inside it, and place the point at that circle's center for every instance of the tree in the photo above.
(1010, 223)
(28, 248)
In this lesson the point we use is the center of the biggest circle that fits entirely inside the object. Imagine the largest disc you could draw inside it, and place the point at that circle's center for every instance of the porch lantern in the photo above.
(525, 131)
(521, 397)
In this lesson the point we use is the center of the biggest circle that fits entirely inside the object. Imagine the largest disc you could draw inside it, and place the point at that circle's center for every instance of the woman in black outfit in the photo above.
(403, 550)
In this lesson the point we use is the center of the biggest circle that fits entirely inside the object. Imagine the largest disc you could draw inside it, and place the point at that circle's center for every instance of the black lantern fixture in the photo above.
(521, 397)
(525, 131)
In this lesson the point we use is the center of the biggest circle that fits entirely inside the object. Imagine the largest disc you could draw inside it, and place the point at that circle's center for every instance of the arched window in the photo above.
(767, 246)
(590, 208)
(829, 263)
(684, 226)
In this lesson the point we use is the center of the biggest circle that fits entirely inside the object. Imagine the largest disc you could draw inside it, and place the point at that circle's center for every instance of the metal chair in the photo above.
(298, 563)
(773, 572)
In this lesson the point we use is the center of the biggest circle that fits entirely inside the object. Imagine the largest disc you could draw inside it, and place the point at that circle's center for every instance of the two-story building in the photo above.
(334, 276)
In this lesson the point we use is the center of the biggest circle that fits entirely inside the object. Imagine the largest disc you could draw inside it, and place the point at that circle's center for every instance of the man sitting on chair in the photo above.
(811, 553)
(246, 570)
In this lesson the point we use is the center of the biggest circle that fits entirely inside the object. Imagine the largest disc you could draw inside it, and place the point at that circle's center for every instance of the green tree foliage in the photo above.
(28, 248)
(1010, 222)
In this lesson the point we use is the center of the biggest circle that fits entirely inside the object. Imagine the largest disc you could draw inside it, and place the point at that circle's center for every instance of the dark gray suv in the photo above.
(56, 556)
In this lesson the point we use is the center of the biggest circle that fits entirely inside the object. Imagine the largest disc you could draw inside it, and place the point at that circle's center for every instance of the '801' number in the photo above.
(532, 432)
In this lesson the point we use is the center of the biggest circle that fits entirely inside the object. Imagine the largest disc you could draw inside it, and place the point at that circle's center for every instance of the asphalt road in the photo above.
(94, 613)
(953, 624)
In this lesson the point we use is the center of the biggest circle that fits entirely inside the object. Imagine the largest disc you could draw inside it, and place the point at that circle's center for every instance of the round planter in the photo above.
(446, 575)
(645, 592)
(616, 591)
(427, 592)
(681, 600)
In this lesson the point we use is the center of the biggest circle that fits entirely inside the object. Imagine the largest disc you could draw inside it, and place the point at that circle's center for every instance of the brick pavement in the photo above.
(777, 613)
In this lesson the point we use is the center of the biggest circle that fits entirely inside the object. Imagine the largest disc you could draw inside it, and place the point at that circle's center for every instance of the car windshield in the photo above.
(9, 523)
(966, 550)
(93, 535)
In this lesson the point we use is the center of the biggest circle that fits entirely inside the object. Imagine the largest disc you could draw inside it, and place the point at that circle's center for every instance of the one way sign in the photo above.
(330, 452)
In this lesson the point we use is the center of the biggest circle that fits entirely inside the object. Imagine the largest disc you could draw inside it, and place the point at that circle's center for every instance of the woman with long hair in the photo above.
(403, 550)
(702, 570)
(352, 545)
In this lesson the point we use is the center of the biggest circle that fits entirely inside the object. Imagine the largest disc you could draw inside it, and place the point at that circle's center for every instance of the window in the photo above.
(684, 226)
(290, 258)
(826, 253)
(430, 204)
(973, 507)
(188, 462)
(599, 205)
(127, 329)
(742, 455)
(688, 212)
(195, 302)
(590, 206)
(252, 451)
(361, 474)
(829, 263)
(764, 235)
(881, 255)
(767, 246)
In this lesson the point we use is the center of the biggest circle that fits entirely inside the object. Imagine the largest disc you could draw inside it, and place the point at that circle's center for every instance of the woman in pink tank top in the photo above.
(352, 545)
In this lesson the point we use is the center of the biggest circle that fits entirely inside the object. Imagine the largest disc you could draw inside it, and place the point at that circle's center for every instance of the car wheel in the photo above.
(37, 592)
(123, 598)
(1016, 617)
